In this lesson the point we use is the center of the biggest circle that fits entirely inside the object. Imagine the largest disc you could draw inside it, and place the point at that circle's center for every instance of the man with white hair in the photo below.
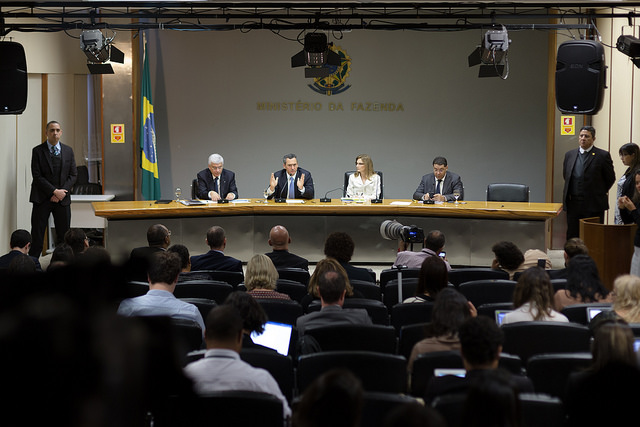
(215, 182)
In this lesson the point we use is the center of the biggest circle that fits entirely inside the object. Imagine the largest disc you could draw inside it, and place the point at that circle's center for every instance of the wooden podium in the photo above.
(610, 246)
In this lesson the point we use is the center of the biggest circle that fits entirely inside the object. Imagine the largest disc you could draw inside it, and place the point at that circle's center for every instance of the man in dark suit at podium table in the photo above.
(588, 175)
(439, 185)
(215, 182)
(53, 168)
(291, 182)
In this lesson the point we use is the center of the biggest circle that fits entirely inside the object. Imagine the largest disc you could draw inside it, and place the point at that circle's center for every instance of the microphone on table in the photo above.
(327, 200)
(282, 199)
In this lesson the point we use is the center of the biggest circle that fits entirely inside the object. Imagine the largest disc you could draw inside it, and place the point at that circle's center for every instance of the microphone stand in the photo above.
(327, 200)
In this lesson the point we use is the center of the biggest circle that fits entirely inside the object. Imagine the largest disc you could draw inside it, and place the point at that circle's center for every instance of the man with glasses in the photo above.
(440, 185)
(216, 183)
(291, 182)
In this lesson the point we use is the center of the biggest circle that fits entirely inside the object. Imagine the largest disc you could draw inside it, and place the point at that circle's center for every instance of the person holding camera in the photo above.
(441, 185)
(432, 246)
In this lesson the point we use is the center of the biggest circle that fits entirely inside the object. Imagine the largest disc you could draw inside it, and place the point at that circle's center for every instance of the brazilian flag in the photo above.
(149, 154)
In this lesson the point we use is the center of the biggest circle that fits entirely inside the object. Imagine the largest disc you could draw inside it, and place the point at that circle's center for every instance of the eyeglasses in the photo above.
(359, 163)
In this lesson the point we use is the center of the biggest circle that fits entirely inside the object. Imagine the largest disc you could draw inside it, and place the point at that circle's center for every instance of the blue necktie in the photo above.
(55, 150)
(292, 191)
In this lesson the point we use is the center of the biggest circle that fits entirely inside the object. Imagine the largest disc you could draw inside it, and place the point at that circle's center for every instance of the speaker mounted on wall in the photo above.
(13, 78)
(580, 77)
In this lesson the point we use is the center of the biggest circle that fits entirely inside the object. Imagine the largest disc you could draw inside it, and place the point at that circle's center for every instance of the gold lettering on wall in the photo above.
(364, 106)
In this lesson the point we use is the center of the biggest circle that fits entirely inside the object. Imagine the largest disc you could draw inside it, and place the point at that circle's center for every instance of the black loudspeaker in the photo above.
(13, 78)
(580, 77)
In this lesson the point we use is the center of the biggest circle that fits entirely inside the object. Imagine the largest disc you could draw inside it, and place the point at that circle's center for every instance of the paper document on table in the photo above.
(295, 201)
(241, 201)
(399, 203)
(192, 202)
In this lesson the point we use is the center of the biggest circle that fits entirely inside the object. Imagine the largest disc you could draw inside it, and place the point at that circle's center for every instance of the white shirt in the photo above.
(222, 370)
(369, 189)
(525, 313)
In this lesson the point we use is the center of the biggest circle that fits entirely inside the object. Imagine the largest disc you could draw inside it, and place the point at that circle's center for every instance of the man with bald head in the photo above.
(279, 240)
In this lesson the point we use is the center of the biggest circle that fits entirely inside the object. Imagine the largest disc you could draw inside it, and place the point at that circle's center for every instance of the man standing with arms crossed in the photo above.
(53, 168)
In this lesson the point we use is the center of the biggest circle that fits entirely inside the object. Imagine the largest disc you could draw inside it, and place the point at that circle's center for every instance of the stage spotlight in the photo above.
(317, 56)
(492, 54)
(630, 46)
(99, 51)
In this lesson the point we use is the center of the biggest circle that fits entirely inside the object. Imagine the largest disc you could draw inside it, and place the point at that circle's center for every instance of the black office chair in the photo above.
(135, 289)
(549, 372)
(481, 292)
(390, 296)
(234, 278)
(409, 314)
(377, 371)
(82, 185)
(281, 311)
(378, 338)
(295, 290)
(558, 284)
(490, 309)
(368, 289)
(209, 289)
(392, 274)
(507, 193)
(461, 275)
(204, 305)
(378, 405)
(194, 189)
(408, 337)
(224, 408)
(425, 365)
(188, 333)
(296, 274)
(376, 309)
(280, 367)
(577, 313)
(347, 174)
(527, 339)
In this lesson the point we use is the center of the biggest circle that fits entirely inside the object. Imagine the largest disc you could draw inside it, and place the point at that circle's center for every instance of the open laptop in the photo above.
(276, 336)
(594, 311)
(500, 315)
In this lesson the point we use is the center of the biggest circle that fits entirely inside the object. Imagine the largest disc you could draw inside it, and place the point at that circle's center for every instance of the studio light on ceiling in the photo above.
(317, 56)
(99, 51)
(492, 54)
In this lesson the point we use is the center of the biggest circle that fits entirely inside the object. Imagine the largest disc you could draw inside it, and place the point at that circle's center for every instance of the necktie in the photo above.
(292, 191)
(438, 187)
(216, 188)
(55, 150)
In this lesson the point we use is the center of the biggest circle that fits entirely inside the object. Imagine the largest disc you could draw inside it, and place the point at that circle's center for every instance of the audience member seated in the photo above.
(279, 240)
(583, 284)
(335, 399)
(414, 415)
(611, 381)
(22, 266)
(572, 247)
(340, 246)
(533, 299)
(77, 240)
(332, 288)
(20, 243)
(215, 259)
(324, 265)
(481, 342)
(94, 256)
(508, 257)
(532, 257)
(626, 302)
(432, 246)
(159, 239)
(491, 400)
(434, 277)
(62, 255)
(261, 278)
(185, 259)
(253, 317)
(159, 300)
(449, 311)
(221, 369)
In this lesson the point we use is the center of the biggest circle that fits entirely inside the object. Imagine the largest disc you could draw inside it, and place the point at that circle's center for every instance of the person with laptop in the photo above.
(533, 299)
(481, 342)
(221, 369)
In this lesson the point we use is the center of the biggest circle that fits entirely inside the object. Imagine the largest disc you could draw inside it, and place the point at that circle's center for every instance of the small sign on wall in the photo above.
(117, 133)
(568, 125)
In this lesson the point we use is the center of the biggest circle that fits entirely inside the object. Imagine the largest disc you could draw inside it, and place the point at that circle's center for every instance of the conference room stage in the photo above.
(471, 227)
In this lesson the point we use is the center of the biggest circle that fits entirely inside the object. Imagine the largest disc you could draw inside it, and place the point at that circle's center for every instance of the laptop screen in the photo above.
(594, 311)
(500, 315)
(276, 336)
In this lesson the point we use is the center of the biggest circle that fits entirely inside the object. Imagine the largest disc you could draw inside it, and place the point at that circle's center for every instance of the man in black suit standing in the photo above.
(588, 175)
(215, 259)
(279, 240)
(215, 182)
(439, 185)
(291, 182)
(53, 168)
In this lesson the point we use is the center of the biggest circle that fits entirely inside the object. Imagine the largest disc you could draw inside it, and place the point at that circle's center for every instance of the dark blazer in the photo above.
(357, 273)
(628, 189)
(139, 262)
(215, 260)
(283, 183)
(227, 183)
(285, 259)
(333, 315)
(451, 182)
(599, 176)
(42, 172)
(6, 259)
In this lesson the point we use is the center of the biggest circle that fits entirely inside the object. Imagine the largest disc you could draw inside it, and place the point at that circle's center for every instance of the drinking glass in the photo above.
(178, 194)
(456, 195)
